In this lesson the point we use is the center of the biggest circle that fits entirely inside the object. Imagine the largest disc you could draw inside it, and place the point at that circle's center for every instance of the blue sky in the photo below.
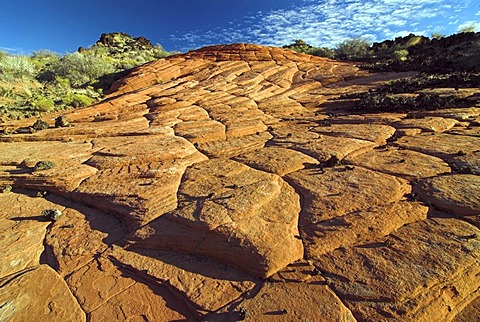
(63, 26)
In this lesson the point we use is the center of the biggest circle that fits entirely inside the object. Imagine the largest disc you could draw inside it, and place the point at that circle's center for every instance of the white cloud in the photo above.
(328, 22)
(12, 50)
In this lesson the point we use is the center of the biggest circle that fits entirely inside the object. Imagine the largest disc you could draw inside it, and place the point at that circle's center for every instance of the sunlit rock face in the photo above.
(234, 182)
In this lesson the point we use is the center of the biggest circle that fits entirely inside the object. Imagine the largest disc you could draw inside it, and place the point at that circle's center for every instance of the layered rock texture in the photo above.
(232, 183)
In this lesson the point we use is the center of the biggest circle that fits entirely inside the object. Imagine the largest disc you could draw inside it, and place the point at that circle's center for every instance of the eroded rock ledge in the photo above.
(232, 183)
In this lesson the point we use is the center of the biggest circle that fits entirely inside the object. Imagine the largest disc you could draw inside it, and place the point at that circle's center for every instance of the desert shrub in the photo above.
(43, 104)
(465, 29)
(159, 52)
(437, 35)
(77, 100)
(321, 52)
(43, 58)
(80, 69)
(44, 165)
(428, 80)
(356, 48)
(40, 125)
(401, 54)
(15, 67)
(384, 102)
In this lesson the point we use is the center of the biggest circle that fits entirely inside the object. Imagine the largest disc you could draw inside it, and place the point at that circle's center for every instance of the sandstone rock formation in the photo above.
(233, 183)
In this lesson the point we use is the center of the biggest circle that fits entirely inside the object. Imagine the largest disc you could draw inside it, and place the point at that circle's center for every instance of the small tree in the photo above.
(299, 46)
(356, 48)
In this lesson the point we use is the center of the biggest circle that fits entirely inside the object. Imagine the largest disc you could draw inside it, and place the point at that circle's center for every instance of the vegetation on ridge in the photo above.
(46, 81)
(444, 62)
(458, 52)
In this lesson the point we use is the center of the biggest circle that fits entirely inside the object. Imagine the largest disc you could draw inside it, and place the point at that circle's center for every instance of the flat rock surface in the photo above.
(468, 163)
(277, 160)
(445, 146)
(39, 294)
(371, 132)
(203, 285)
(399, 162)
(22, 231)
(314, 301)
(457, 194)
(81, 234)
(361, 227)
(390, 280)
(332, 192)
(427, 124)
(236, 182)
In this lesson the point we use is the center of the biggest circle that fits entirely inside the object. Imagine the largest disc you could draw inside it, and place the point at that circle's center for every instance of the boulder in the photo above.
(231, 213)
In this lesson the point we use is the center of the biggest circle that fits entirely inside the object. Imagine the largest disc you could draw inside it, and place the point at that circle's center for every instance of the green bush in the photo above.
(47, 82)
(469, 28)
(43, 58)
(81, 69)
(15, 67)
(356, 48)
(43, 104)
(299, 46)
(77, 100)
(321, 52)
(437, 35)
(159, 52)
(401, 54)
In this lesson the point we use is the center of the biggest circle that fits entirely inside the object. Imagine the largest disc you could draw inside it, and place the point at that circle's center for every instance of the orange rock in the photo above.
(371, 132)
(232, 213)
(469, 163)
(428, 124)
(38, 294)
(304, 301)
(81, 234)
(420, 273)
(458, 194)
(470, 313)
(403, 163)
(445, 146)
(22, 231)
(333, 192)
(177, 230)
(276, 160)
(361, 227)
(203, 284)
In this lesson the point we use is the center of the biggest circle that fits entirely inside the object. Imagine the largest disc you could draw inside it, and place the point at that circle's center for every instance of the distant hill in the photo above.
(458, 52)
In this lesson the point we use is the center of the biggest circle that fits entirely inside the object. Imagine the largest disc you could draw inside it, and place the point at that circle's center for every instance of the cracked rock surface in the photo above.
(234, 183)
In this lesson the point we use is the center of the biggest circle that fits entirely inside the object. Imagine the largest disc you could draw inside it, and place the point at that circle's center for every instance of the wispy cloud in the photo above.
(11, 50)
(328, 22)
